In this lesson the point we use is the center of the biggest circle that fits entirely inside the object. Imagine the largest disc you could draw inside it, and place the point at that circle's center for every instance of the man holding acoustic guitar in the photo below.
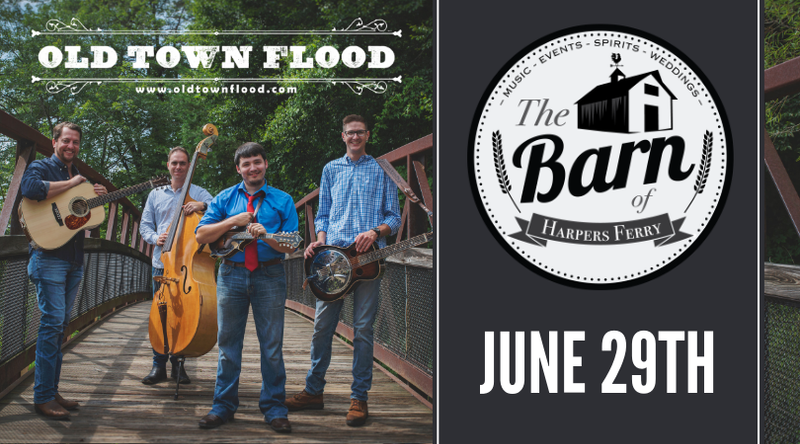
(357, 204)
(158, 212)
(56, 273)
(254, 277)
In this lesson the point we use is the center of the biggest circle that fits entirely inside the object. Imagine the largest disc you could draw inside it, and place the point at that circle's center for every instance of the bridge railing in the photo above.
(782, 353)
(116, 269)
(404, 327)
(782, 289)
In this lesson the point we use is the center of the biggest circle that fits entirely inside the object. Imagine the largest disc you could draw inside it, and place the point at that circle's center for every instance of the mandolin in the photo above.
(332, 272)
(51, 223)
(233, 242)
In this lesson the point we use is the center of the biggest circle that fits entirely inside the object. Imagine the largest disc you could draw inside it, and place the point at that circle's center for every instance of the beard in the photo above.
(255, 180)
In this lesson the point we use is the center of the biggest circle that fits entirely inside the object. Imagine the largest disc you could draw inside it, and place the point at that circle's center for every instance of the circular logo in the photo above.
(600, 156)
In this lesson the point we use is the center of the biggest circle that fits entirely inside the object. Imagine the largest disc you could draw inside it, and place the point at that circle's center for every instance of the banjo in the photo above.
(332, 272)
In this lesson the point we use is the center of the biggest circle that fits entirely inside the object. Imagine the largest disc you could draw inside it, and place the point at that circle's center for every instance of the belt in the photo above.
(275, 261)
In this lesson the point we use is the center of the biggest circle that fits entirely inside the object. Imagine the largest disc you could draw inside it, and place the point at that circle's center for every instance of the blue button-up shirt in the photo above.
(36, 184)
(277, 213)
(355, 197)
(158, 213)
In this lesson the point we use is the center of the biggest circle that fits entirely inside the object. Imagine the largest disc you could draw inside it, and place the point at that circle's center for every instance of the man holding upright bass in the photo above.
(158, 212)
(254, 277)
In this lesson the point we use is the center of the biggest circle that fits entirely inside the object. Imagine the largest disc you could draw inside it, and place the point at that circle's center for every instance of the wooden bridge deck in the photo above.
(102, 369)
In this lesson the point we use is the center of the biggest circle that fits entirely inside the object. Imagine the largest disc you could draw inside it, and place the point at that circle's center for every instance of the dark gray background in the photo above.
(482, 288)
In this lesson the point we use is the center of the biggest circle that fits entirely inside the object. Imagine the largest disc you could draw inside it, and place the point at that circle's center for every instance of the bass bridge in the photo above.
(162, 305)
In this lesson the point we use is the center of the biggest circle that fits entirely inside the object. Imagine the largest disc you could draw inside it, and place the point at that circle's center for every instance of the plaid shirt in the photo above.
(355, 197)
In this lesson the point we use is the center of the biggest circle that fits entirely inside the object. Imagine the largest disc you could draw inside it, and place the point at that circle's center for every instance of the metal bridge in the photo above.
(781, 315)
(108, 351)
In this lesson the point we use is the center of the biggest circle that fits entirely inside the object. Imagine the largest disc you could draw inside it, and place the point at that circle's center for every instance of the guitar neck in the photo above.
(119, 194)
(399, 247)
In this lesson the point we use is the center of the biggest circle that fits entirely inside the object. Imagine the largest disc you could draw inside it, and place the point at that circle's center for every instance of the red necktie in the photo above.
(251, 251)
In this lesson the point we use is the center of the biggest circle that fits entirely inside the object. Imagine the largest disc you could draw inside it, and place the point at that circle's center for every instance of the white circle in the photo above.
(606, 96)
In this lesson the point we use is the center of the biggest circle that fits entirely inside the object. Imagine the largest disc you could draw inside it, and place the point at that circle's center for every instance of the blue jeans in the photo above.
(56, 282)
(265, 290)
(159, 359)
(365, 307)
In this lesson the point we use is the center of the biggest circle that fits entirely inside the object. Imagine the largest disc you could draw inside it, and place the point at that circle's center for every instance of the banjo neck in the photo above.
(399, 247)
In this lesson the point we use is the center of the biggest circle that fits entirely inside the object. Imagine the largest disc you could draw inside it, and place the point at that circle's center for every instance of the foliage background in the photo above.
(127, 135)
(781, 44)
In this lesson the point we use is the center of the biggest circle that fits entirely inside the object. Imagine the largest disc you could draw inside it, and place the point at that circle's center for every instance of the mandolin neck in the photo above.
(266, 236)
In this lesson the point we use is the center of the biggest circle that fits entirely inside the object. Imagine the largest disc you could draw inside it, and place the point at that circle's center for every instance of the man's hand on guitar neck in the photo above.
(256, 230)
(364, 240)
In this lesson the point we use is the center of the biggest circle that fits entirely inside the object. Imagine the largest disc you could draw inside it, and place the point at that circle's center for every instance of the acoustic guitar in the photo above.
(332, 272)
(51, 223)
(233, 242)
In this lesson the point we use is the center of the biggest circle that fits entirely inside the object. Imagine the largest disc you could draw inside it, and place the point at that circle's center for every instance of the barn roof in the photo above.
(620, 88)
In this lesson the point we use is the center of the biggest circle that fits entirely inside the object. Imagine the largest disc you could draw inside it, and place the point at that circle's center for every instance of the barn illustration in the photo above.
(627, 105)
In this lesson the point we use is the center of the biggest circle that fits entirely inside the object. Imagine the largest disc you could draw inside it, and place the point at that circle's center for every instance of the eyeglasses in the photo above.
(359, 133)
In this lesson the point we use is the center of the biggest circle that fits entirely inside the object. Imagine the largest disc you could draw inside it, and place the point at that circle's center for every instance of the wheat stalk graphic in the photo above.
(704, 169)
(500, 166)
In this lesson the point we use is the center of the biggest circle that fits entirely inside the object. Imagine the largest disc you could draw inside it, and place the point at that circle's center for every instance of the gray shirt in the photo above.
(158, 212)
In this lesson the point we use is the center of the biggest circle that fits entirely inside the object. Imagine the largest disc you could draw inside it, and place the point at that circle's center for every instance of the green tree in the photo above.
(301, 131)
(781, 44)
(127, 135)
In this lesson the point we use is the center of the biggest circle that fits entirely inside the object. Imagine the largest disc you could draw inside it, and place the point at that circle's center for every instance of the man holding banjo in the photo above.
(357, 204)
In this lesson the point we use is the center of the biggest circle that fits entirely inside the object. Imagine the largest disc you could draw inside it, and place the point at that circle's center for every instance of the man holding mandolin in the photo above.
(254, 277)
(55, 273)
(357, 204)
(158, 212)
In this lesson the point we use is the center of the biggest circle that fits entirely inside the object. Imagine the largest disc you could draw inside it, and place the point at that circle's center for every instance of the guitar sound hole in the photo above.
(359, 271)
(353, 253)
(79, 207)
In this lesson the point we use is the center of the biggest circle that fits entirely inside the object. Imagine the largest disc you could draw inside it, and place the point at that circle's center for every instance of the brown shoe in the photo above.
(281, 425)
(52, 410)
(358, 413)
(69, 405)
(304, 401)
(211, 422)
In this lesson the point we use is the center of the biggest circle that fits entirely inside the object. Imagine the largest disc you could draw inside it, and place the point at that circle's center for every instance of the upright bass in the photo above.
(183, 317)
